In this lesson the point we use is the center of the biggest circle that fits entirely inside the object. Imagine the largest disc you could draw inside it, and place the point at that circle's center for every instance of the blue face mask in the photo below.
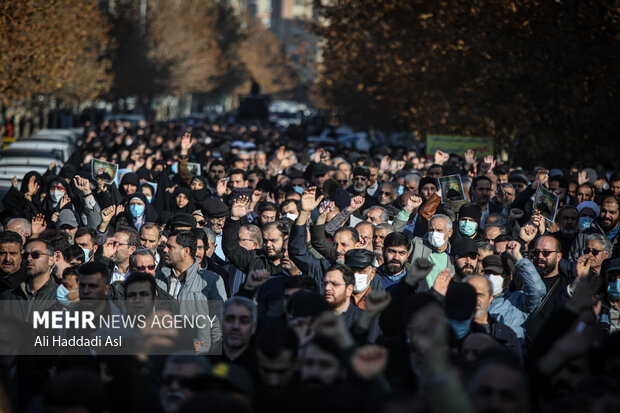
(467, 228)
(175, 167)
(61, 296)
(400, 190)
(299, 189)
(613, 289)
(585, 222)
(136, 210)
(461, 328)
(86, 254)
(148, 198)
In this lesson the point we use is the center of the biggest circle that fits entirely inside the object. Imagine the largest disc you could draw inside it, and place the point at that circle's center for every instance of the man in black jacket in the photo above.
(39, 285)
(274, 235)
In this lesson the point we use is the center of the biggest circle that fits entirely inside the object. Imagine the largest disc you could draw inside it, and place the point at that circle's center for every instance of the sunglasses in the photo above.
(594, 252)
(35, 254)
(360, 178)
(385, 193)
(144, 267)
(535, 253)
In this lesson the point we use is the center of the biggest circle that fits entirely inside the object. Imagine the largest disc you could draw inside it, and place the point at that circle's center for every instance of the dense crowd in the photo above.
(348, 282)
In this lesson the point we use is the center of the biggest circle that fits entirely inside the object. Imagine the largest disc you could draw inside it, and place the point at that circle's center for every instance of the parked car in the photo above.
(63, 148)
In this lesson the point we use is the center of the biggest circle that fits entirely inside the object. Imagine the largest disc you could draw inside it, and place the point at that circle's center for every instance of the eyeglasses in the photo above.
(360, 178)
(145, 267)
(120, 243)
(594, 252)
(385, 193)
(535, 253)
(35, 254)
(342, 181)
(200, 223)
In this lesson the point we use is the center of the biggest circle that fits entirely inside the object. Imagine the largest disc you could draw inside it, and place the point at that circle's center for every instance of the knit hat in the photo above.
(471, 210)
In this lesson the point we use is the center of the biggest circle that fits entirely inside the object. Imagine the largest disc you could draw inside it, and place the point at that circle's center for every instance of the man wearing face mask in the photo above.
(469, 222)
(360, 262)
(486, 287)
(435, 247)
(86, 238)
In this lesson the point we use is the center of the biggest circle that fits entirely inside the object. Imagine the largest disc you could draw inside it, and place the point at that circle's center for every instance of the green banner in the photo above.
(459, 144)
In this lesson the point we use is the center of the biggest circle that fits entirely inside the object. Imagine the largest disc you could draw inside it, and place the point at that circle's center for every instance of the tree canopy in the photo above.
(52, 48)
(531, 73)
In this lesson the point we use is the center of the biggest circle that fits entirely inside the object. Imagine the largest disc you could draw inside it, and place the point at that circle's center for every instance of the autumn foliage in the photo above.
(52, 48)
(534, 74)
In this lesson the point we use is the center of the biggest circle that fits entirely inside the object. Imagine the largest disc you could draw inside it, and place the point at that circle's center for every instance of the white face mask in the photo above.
(292, 217)
(497, 281)
(436, 239)
(57, 195)
(361, 282)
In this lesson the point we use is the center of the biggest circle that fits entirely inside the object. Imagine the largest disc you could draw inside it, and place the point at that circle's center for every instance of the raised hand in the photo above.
(101, 185)
(81, 184)
(64, 201)
(331, 326)
(55, 217)
(356, 203)
(326, 207)
(542, 177)
(490, 162)
(377, 302)
(513, 250)
(186, 143)
(515, 214)
(309, 202)
(171, 189)
(369, 361)
(38, 225)
(385, 163)
(582, 177)
(318, 154)
(52, 166)
(108, 213)
(221, 186)
(120, 209)
(239, 207)
(256, 278)
(527, 233)
(138, 164)
(419, 270)
(443, 281)
(14, 182)
(583, 267)
(470, 157)
(413, 203)
(441, 157)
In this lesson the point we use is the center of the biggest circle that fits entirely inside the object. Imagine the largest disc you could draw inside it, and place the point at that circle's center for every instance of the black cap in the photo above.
(518, 178)
(182, 220)
(464, 246)
(613, 265)
(361, 171)
(493, 265)
(214, 208)
(319, 169)
(471, 210)
(460, 301)
(428, 180)
(358, 258)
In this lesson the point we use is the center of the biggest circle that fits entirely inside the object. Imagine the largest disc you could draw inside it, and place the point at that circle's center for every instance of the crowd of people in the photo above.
(346, 281)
